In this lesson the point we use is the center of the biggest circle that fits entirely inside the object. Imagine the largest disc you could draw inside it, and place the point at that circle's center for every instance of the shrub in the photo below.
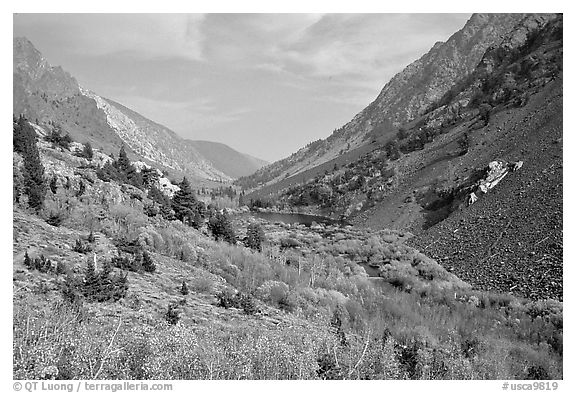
(184, 289)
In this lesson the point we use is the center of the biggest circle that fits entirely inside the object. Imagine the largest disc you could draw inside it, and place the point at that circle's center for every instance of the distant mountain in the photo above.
(50, 96)
(228, 160)
(406, 96)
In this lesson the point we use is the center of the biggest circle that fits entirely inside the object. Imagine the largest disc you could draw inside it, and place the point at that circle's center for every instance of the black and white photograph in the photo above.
(286, 196)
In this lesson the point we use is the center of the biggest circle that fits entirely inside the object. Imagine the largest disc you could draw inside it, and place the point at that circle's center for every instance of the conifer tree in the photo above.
(173, 314)
(221, 227)
(184, 289)
(87, 151)
(25, 143)
(147, 263)
(184, 202)
(254, 237)
(28, 261)
(123, 163)
(54, 184)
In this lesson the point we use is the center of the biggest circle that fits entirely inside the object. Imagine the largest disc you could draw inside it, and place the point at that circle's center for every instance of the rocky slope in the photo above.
(404, 97)
(492, 143)
(48, 95)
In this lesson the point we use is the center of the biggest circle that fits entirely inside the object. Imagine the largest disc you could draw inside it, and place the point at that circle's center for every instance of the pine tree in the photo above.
(87, 151)
(27, 261)
(81, 189)
(149, 177)
(184, 289)
(25, 143)
(54, 184)
(122, 163)
(254, 237)
(184, 202)
(173, 314)
(23, 135)
(221, 227)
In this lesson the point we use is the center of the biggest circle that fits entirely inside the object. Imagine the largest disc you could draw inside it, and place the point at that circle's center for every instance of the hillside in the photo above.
(52, 97)
(228, 160)
(312, 303)
(502, 122)
(406, 96)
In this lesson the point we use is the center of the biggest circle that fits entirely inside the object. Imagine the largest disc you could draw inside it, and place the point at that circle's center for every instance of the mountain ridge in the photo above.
(48, 94)
(403, 98)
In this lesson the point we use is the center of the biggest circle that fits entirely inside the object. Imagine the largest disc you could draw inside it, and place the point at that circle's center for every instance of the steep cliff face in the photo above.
(154, 142)
(405, 96)
(49, 95)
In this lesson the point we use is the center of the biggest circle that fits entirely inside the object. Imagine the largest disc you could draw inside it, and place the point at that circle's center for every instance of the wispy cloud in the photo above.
(356, 50)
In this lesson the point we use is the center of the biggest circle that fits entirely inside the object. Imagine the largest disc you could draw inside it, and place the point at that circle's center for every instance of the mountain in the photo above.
(50, 96)
(403, 98)
(477, 178)
(228, 160)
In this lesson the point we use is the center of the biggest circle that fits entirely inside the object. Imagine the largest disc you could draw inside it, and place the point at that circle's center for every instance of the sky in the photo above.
(264, 84)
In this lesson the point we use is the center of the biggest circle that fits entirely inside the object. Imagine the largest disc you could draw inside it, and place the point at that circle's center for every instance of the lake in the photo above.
(297, 218)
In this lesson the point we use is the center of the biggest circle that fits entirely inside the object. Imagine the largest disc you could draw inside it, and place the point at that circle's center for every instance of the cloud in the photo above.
(358, 51)
(144, 36)
(360, 45)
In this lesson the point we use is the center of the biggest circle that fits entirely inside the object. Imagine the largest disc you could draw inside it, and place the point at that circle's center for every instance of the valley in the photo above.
(422, 240)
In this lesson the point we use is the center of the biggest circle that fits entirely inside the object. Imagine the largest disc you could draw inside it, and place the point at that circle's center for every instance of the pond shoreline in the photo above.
(296, 218)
